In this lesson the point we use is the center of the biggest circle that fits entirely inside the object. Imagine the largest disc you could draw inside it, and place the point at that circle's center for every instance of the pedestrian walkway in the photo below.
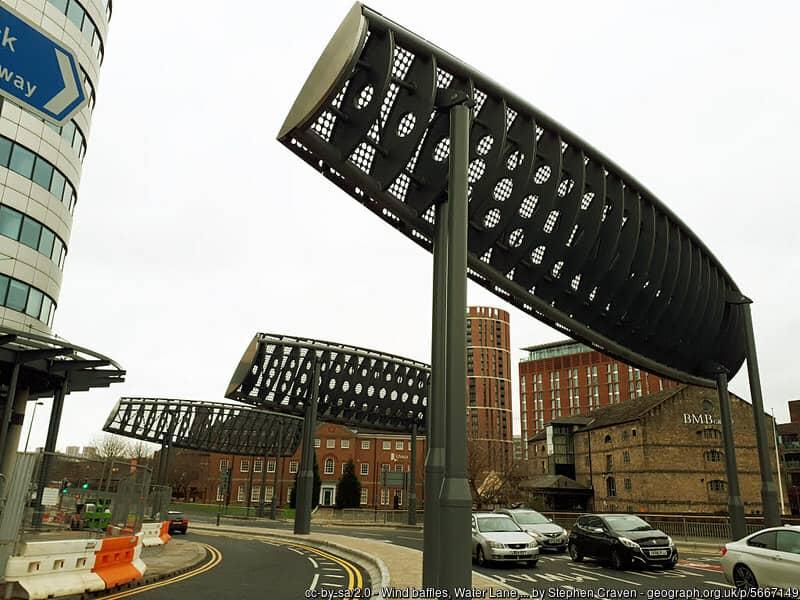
(403, 565)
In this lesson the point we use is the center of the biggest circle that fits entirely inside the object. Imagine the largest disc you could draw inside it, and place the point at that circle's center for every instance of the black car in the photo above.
(623, 540)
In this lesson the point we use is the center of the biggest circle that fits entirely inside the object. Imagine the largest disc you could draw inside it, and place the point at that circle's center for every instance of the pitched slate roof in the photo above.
(629, 410)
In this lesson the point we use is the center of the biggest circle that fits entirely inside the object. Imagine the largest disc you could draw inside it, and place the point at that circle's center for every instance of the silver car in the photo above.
(544, 531)
(496, 537)
(769, 558)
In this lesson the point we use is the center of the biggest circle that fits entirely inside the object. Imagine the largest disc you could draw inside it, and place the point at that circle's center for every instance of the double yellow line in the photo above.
(216, 558)
(354, 578)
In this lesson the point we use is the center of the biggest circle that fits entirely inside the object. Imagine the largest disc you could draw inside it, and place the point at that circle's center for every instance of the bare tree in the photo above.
(141, 451)
(112, 446)
(492, 482)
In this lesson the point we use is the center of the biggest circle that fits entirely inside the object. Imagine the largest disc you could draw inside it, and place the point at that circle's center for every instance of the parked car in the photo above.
(496, 537)
(621, 539)
(178, 523)
(546, 533)
(768, 558)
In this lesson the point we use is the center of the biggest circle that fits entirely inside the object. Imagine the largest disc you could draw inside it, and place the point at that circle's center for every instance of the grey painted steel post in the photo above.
(7, 412)
(49, 448)
(162, 463)
(273, 509)
(412, 478)
(735, 504)
(769, 493)
(263, 485)
(455, 497)
(305, 479)
(435, 417)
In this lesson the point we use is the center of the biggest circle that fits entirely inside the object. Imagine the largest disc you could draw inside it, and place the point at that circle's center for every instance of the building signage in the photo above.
(36, 71)
(701, 419)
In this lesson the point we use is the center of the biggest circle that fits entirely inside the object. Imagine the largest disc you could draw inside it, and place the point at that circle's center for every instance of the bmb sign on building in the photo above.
(659, 453)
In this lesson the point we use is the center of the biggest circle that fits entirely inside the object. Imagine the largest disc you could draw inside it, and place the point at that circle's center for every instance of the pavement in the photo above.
(173, 558)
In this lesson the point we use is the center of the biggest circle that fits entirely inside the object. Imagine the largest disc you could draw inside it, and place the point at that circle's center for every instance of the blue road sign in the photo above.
(36, 71)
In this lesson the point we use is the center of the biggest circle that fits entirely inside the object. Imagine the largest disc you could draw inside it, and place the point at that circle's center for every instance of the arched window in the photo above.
(608, 439)
(711, 434)
(611, 487)
(329, 466)
(713, 456)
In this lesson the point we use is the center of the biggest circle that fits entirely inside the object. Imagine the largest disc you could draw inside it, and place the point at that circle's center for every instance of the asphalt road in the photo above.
(255, 568)
(557, 574)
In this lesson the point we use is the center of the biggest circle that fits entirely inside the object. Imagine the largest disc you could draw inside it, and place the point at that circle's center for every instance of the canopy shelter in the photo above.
(357, 387)
(555, 227)
(206, 426)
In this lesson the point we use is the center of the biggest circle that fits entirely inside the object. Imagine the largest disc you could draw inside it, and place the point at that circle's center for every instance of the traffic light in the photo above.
(65, 486)
(85, 485)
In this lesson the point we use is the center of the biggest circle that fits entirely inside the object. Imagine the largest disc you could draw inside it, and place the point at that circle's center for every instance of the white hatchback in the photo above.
(769, 558)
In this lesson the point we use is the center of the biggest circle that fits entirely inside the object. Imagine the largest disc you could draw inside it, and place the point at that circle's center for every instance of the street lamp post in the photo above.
(33, 416)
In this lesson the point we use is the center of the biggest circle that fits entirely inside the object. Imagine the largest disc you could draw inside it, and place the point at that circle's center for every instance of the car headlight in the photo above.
(496, 545)
(628, 542)
(536, 535)
(669, 541)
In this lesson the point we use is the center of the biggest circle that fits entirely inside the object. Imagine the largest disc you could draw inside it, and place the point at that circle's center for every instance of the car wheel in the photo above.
(532, 563)
(574, 553)
(743, 578)
(480, 558)
(617, 561)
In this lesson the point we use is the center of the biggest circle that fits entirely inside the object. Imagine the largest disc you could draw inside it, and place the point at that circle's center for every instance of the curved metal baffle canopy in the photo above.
(555, 227)
(357, 387)
(206, 426)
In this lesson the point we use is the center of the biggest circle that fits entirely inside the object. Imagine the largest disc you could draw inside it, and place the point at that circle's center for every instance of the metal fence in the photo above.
(370, 515)
(685, 527)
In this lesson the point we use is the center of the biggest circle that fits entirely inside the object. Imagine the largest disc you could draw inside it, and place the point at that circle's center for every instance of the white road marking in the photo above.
(682, 572)
(313, 562)
(314, 581)
(719, 584)
(599, 574)
(334, 576)
(641, 574)
(295, 550)
(337, 585)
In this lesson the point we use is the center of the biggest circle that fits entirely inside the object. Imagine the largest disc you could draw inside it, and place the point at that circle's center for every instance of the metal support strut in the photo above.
(412, 478)
(455, 498)
(735, 505)
(305, 479)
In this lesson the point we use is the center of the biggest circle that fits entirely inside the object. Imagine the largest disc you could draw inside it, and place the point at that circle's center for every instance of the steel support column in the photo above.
(769, 493)
(412, 478)
(305, 479)
(7, 412)
(263, 485)
(273, 509)
(49, 447)
(735, 504)
(455, 497)
(435, 417)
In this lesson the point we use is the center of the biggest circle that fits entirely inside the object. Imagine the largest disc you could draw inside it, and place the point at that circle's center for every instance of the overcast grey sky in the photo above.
(194, 228)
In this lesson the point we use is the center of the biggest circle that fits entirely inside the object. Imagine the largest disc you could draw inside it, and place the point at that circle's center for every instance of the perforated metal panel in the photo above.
(206, 426)
(555, 227)
(357, 387)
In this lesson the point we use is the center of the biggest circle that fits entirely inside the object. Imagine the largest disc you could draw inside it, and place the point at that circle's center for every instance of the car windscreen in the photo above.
(627, 523)
(175, 516)
(530, 518)
(496, 524)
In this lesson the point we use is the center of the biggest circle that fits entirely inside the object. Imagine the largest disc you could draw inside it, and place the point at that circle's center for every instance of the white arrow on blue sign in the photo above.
(36, 71)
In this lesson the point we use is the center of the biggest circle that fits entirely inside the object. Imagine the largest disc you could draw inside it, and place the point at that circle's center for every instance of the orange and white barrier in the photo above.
(164, 535)
(67, 567)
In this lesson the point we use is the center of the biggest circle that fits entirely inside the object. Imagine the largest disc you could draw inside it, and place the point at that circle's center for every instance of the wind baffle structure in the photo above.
(206, 426)
(555, 227)
(357, 387)
(503, 194)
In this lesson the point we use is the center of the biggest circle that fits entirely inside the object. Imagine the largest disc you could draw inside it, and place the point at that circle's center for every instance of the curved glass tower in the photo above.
(40, 171)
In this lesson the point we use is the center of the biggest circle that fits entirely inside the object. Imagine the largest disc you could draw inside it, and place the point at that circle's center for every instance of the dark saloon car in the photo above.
(623, 540)
(178, 523)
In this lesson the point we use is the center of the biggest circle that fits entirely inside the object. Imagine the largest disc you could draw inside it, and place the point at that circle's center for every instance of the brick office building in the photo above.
(659, 453)
(372, 452)
(789, 446)
(568, 378)
(489, 412)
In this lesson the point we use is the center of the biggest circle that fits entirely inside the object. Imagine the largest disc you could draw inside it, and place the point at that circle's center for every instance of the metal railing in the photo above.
(370, 515)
